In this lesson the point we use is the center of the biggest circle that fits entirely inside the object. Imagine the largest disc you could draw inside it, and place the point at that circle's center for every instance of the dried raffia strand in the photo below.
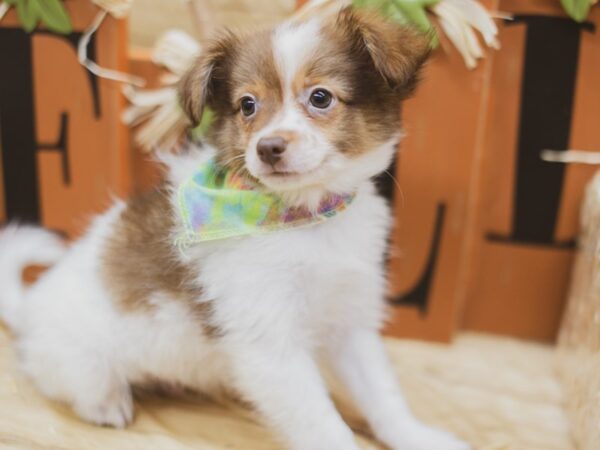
(165, 128)
(571, 156)
(163, 123)
(117, 8)
(90, 65)
(176, 50)
(204, 17)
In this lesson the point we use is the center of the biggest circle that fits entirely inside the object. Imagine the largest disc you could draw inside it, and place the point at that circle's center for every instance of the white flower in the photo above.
(458, 19)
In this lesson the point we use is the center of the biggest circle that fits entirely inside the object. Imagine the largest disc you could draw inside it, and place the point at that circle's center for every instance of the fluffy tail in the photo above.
(21, 246)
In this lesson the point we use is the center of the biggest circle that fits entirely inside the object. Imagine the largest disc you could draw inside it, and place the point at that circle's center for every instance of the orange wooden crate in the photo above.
(75, 149)
(524, 216)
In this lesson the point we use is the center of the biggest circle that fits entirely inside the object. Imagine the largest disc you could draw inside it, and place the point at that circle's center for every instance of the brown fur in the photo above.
(396, 51)
(140, 261)
(230, 68)
(207, 82)
(253, 72)
(375, 63)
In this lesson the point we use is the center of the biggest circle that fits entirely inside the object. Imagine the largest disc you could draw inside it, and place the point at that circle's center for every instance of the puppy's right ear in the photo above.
(396, 51)
(207, 78)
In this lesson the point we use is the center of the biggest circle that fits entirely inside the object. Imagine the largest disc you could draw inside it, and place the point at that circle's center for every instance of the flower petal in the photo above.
(176, 50)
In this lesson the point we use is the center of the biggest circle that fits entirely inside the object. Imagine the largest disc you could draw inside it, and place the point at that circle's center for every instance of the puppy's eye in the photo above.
(248, 106)
(321, 98)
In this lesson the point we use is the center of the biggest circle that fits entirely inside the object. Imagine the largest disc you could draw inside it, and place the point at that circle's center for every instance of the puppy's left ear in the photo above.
(396, 51)
(207, 81)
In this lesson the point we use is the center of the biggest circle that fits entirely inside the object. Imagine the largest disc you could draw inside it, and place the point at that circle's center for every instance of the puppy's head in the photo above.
(308, 106)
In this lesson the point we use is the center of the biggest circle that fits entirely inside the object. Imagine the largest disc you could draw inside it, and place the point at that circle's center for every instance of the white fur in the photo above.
(293, 45)
(282, 301)
(21, 246)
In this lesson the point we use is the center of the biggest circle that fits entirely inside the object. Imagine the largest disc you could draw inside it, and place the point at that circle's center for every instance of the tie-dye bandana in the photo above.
(217, 204)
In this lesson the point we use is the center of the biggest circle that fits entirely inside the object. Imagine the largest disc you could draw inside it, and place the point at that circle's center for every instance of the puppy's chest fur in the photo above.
(319, 270)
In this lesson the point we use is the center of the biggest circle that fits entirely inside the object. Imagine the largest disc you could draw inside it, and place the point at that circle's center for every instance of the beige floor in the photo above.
(497, 393)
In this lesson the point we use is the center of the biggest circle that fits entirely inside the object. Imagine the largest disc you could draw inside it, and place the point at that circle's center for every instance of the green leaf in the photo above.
(54, 16)
(29, 14)
(375, 4)
(205, 123)
(577, 9)
(415, 12)
(11, 2)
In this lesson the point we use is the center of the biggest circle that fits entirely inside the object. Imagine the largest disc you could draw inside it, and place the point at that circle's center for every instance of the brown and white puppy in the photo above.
(305, 110)
(295, 104)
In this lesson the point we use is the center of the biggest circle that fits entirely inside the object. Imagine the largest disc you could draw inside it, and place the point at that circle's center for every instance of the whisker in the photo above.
(237, 169)
(397, 183)
(230, 160)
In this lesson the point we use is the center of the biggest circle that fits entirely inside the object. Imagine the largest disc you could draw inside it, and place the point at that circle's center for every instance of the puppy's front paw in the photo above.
(115, 411)
(421, 437)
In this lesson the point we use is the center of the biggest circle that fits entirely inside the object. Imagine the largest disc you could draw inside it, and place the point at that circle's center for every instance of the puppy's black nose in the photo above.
(270, 149)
